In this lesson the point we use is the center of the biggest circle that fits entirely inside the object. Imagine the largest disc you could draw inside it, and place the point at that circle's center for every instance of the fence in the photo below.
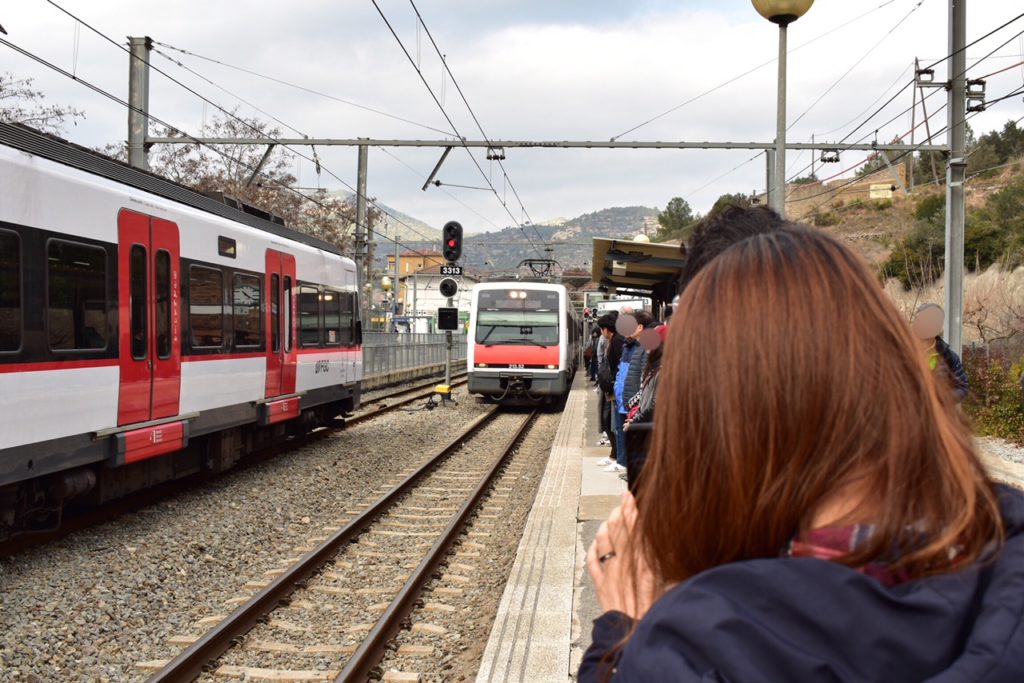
(384, 353)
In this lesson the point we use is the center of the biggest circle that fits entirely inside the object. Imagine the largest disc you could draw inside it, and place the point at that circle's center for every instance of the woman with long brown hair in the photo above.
(812, 507)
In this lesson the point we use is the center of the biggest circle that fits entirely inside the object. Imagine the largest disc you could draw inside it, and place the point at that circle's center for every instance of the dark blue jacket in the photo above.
(957, 374)
(805, 619)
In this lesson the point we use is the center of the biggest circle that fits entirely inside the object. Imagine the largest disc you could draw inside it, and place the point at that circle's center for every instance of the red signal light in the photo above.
(451, 243)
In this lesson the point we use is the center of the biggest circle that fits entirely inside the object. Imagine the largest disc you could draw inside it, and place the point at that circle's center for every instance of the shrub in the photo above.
(994, 402)
(838, 204)
(929, 206)
(883, 205)
(827, 219)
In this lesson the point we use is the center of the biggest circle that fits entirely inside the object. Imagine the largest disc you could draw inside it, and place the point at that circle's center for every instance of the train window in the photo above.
(10, 291)
(76, 280)
(206, 306)
(246, 311)
(288, 335)
(275, 313)
(517, 317)
(348, 313)
(227, 247)
(332, 318)
(309, 316)
(138, 304)
(163, 304)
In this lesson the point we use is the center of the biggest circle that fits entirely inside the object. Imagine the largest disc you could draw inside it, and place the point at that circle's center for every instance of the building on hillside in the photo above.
(805, 199)
(412, 261)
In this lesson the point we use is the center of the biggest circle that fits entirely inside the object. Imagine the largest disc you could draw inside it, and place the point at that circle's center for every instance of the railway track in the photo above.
(399, 399)
(84, 518)
(393, 547)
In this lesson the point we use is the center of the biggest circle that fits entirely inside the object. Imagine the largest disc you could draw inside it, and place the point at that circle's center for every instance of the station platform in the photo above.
(543, 622)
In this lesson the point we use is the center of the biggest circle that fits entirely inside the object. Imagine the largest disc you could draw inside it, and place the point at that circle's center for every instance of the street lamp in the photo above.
(783, 13)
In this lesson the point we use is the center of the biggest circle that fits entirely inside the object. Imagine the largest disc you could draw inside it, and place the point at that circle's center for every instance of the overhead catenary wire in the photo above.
(114, 98)
(448, 118)
(935, 91)
(465, 101)
(746, 73)
(857, 63)
(832, 192)
(225, 111)
(306, 89)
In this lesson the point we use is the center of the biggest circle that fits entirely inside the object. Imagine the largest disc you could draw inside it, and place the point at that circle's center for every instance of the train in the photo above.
(149, 332)
(524, 342)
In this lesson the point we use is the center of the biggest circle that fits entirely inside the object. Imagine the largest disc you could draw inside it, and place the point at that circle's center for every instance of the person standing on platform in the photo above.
(845, 528)
(626, 326)
(927, 326)
(640, 420)
(607, 372)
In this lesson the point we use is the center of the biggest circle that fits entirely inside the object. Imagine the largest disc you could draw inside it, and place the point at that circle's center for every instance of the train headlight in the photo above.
(481, 365)
(552, 367)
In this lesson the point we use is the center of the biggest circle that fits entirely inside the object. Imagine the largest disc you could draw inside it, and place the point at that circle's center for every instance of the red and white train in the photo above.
(148, 332)
(524, 342)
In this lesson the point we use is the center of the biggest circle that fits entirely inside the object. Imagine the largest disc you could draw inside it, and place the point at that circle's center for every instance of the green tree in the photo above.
(727, 200)
(676, 221)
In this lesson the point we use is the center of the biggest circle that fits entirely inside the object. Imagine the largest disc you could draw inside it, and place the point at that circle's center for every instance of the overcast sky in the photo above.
(535, 69)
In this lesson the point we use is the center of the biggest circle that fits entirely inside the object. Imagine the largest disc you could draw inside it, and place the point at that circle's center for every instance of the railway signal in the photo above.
(448, 287)
(451, 236)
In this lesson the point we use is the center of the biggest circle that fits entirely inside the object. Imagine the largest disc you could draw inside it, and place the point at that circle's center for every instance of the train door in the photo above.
(149, 327)
(280, 325)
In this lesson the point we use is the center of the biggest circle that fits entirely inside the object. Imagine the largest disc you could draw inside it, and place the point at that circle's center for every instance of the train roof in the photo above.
(61, 151)
(520, 284)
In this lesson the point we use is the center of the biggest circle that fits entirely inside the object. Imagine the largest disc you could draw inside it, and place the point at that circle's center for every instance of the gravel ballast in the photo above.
(89, 606)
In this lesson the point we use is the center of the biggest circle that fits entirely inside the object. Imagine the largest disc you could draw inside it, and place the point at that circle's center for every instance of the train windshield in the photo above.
(511, 316)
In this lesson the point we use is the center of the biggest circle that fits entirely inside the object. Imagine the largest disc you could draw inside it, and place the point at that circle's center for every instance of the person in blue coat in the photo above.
(798, 518)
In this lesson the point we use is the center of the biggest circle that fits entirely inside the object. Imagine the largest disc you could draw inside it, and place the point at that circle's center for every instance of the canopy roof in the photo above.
(641, 268)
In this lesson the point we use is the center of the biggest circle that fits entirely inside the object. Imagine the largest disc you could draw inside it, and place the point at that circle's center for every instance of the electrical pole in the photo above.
(363, 266)
(779, 186)
(955, 174)
(138, 101)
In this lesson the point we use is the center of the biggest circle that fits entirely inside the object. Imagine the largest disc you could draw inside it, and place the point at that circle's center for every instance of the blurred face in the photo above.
(928, 323)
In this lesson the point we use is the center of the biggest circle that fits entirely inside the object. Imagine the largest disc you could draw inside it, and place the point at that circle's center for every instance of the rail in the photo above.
(191, 662)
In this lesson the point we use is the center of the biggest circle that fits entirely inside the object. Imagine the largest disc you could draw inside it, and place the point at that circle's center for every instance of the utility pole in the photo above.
(769, 158)
(138, 101)
(363, 266)
(955, 173)
(397, 289)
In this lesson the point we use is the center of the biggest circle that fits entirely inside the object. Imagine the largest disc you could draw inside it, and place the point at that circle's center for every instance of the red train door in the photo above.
(280, 324)
(149, 336)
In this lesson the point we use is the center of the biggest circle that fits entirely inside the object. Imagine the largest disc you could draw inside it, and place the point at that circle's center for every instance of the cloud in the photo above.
(530, 69)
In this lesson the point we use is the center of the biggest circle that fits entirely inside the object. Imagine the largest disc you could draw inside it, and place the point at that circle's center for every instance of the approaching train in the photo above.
(524, 342)
(148, 332)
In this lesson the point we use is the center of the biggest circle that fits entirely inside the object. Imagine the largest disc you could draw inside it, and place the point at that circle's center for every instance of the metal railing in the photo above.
(385, 352)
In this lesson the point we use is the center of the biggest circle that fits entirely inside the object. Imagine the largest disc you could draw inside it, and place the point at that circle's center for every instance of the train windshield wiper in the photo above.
(520, 341)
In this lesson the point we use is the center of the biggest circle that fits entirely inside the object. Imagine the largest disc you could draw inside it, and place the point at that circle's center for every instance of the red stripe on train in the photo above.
(515, 354)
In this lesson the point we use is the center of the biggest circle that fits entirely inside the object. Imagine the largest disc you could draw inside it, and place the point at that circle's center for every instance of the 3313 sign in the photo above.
(451, 270)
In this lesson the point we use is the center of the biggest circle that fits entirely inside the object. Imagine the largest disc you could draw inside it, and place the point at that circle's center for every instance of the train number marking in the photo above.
(321, 367)
(516, 366)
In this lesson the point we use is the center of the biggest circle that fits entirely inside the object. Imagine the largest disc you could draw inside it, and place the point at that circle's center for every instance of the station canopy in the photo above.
(631, 268)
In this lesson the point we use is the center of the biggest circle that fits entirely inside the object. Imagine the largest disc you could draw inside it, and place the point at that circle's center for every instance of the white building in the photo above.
(421, 297)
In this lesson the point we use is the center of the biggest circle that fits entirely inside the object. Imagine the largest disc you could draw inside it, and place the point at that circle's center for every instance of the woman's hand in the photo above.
(622, 578)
